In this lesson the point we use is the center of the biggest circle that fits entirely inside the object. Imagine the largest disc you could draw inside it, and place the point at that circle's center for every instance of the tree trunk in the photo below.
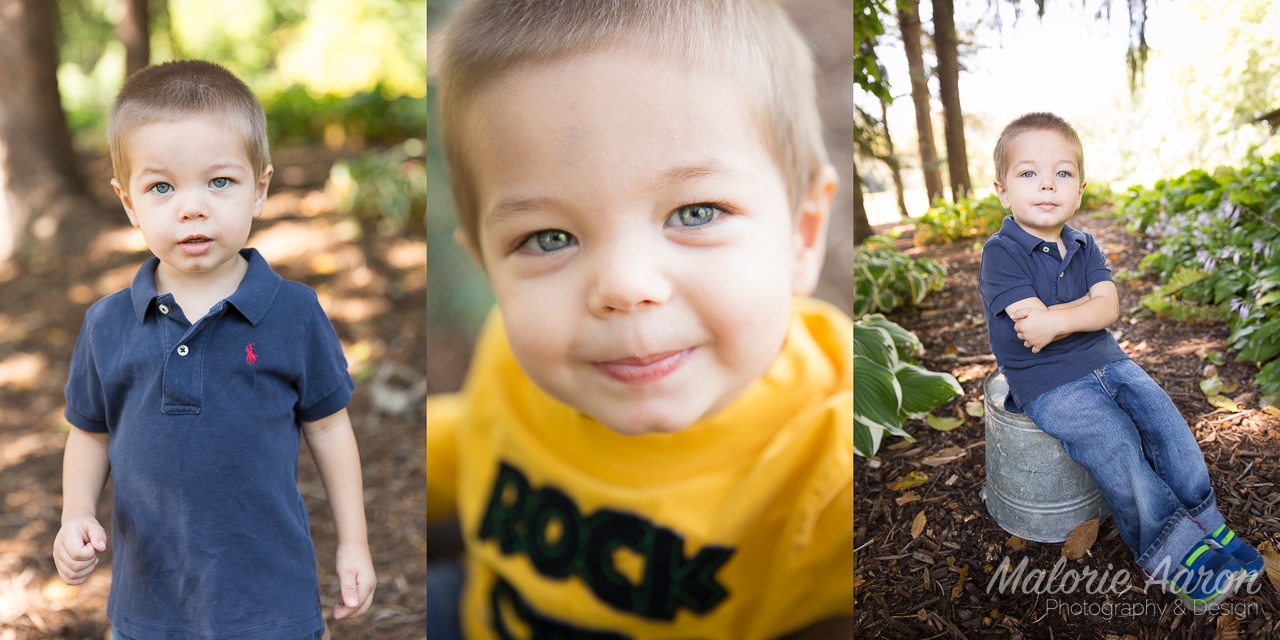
(944, 41)
(861, 226)
(39, 183)
(909, 20)
(133, 30)
(891, 159)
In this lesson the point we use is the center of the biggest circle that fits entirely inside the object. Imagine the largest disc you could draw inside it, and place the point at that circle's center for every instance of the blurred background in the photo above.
(458, 298)
(343, 83)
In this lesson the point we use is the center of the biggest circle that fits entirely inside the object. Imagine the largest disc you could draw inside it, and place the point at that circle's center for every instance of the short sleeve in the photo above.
(323, 384)
(1096, 269)
(86, 400)
(1002, 280)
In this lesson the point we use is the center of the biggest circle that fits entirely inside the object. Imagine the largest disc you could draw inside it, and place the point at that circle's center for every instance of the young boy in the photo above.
(653, 440)
(189, 388)
(1048, 297)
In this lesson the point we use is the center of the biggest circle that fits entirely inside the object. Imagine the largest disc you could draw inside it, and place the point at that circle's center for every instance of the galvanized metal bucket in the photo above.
(1032, 489)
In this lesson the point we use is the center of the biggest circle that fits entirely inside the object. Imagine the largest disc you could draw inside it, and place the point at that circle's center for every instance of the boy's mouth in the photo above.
(196, 244)
(643, 369)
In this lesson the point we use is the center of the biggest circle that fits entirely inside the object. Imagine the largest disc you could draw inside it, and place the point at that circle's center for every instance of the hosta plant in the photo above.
(889, 388)
(884, 279)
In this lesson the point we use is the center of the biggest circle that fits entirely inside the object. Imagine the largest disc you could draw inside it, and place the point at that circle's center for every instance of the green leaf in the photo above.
(866, 439)
(943, 424)
(876, 395)
(875, 344)
(974, 408)
(1211, 386)
(924, 390)
(907, 343)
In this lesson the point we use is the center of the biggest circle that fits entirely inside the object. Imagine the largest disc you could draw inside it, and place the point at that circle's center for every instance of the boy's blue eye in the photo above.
(693, 215)
(1027, 174)
(161, 188)
(1064, 174)
(549, 240)
(219, 183)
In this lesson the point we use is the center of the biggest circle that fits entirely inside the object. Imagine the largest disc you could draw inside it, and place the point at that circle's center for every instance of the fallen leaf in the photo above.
(946, 455)
(1223, 402)
(910, 480)
(1272, 561)
(959, 588)
(1212, 385)
(1079, 541)
(1202, 352)
(898, 446)
(1210, 371)
(917, 525)
(1271, 409)
(1243, 398)
(857, 581)
(1228, 627)
(951, 351)
(1016, 543)
(908, 497)
(943, 424)
(974, 408)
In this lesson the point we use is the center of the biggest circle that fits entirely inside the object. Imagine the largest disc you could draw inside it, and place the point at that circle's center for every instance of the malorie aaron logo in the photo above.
(1056, 581)
(252, 357)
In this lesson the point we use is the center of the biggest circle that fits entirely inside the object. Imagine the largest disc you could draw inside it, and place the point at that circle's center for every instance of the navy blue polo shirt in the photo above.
(209, 533)
(1017, 265)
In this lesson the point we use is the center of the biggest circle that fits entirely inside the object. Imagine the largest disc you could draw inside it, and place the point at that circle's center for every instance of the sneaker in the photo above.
(1228, 542)
(1206, 577)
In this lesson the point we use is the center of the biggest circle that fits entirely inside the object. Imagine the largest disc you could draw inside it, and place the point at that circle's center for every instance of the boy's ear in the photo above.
(810, 235)
(260, 192)
(125, 200)
(1004, 195)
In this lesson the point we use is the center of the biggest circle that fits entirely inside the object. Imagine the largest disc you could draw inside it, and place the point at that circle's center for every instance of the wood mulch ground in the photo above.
(373, 286)
(936, 585)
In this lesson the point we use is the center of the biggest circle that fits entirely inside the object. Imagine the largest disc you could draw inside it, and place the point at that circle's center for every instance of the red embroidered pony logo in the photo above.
(252, 356)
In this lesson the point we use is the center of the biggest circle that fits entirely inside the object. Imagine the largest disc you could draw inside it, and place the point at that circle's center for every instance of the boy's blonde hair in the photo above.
(1035, 122)
(752, 38)
(181, 89)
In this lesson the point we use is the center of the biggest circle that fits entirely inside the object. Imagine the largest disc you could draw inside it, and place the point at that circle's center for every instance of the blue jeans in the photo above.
(1123, 428)
(116, 634)
(444, 595)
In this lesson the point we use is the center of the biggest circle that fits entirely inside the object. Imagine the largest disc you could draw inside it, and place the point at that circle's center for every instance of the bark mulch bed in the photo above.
(936, 585)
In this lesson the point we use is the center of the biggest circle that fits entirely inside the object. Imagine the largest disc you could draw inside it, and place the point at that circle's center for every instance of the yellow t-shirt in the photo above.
(740, 527)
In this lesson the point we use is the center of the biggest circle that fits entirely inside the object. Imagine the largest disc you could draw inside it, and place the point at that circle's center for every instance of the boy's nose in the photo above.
(192, 208)
(627, 280)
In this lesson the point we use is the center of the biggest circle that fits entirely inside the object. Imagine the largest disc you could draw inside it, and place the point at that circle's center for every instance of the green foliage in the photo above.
(295, 116)
(948, 222)
(1096, 196)
(387, 186)
(868, 75)
(885, 279)
(1217, 234)
(889, 387)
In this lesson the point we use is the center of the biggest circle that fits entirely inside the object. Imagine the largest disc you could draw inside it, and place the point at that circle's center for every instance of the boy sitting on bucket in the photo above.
(1048, 297)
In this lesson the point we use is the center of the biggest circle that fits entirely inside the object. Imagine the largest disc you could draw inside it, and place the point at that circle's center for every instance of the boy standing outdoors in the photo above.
(1048, 297)
(653, 439)
(190, 388)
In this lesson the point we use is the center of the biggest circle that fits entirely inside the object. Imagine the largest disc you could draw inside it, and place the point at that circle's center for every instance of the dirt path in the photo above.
(935, 585)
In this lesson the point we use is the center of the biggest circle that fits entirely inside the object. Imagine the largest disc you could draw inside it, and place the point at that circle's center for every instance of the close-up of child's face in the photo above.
(637, 235)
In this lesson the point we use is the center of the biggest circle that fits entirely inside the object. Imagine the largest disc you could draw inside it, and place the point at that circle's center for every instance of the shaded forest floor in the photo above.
(373, 286)
(936, 585)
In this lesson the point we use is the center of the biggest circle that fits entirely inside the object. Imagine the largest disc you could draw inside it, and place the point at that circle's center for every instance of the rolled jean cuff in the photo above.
(1179, 535)
(1207, 514)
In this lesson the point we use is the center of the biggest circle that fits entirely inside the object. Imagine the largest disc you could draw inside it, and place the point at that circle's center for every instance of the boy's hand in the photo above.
(1036, 327)
(356, 577)
(76, 547)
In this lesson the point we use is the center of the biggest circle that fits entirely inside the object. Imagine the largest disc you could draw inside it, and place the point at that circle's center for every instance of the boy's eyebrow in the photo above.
(510, 206)
(221, 166)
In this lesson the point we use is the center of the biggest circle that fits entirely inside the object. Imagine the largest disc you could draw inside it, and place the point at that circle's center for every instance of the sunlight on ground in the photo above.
(407, 254)
(125, 240)
(21, 371)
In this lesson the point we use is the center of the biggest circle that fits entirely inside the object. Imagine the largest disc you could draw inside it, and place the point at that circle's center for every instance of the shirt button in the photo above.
(183, 350)
(164, 309)
(1046, 249)
(1062, 274)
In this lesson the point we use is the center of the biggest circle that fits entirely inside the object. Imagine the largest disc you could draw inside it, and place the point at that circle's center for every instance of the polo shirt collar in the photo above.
(1029, 243)
(252, 298)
